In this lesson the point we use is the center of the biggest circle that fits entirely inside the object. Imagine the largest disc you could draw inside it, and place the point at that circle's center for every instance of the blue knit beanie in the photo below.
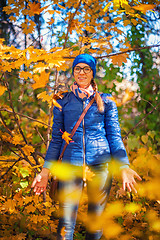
(85, 58)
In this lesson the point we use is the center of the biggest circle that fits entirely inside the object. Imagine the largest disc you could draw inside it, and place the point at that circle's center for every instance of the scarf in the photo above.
(80, 92)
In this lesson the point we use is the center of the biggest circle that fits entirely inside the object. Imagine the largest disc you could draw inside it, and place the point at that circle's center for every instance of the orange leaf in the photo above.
(66, 137)
(144, 7)
(56, 104)
(128, 96)
(2, 90)
(40, 81)
(119, 59)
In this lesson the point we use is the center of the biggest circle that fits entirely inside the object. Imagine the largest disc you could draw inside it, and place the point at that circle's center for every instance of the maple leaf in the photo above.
(40, 81)
(66, 137)
(25, 75)
(119, 59)
(2, 90)
(45, 97)
(28, 150)
(35, 8)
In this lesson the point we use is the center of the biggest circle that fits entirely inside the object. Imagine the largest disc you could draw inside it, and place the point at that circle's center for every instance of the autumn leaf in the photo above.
(87, 173)
(132, 207)
(128, 96)
(144, 7)
(45, 97)
(35, 8)
(107, 6)
(119, 59)
(25, 75)
(28, 150)
(40, 81)
(66, 137)
(2, 90)
(56, 104)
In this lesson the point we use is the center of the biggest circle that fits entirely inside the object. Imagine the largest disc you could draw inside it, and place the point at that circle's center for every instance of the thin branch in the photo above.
(10, 168)
(154, 108)
(69, 23)
(36, 128)
(25, 116)
(5, 125)
(119, 53)
(11, 104)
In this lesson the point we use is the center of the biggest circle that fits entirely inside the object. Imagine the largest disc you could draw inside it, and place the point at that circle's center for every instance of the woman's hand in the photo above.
(128, 179)
(40, 182)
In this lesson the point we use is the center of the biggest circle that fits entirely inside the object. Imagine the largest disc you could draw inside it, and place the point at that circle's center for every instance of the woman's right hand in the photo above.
(40, 181)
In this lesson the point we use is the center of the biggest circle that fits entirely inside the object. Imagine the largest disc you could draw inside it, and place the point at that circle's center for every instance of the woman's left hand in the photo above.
(128, 178)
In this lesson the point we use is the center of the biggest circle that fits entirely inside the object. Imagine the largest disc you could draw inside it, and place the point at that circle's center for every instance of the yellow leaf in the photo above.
(128, 96)
(118, 104)
(17, 139)
(66, 137)
(45, 97)
(87, 173)
(25, 75)
(2, 90)
(55, 103)
(144, 7)
(40, 81)
(132, 207)
(144, 139)
(106, 7)
(28, 150)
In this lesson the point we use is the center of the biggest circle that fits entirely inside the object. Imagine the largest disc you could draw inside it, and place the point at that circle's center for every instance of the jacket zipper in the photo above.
(84, 151)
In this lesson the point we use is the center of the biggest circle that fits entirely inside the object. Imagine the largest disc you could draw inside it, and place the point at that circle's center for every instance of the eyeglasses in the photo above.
(86, 69)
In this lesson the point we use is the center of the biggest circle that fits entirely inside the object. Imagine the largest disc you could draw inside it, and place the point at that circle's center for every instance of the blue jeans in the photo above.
(97, 190)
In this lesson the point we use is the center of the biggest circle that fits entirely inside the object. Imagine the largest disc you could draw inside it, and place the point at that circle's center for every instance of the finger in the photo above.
(128, 186)
(133, 188)
(37, 179)
(138, 177)
(124, 186)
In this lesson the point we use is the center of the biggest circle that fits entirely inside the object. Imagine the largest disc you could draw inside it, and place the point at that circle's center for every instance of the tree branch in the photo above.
(25, 116)
(69, 23)
(154, 108)
(11, 104)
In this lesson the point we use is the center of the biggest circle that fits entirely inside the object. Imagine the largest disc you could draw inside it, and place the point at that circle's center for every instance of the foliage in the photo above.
(30, 78)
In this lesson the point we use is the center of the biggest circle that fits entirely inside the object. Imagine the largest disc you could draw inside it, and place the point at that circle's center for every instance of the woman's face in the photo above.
(83, 79)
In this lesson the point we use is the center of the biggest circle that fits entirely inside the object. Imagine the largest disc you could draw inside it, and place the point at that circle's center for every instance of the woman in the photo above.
(96, 141)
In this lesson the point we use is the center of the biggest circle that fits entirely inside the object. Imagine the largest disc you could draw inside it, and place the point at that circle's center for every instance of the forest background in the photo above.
(38, 42)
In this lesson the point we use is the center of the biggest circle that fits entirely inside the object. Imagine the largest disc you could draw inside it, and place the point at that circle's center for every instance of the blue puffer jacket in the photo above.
(97, 139)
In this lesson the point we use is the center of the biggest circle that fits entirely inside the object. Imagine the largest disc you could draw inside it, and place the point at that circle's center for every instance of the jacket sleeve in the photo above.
(54, 148)
(113, 133)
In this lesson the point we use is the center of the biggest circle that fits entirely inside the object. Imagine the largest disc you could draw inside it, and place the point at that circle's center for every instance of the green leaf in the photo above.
(24, 172)
(133, 143)
(144, 139)
(24, 184)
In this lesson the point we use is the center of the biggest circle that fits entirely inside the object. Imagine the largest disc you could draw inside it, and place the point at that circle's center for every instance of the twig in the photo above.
(154, 108)
(40, 134)
(25, 116)
(119, 53)
(69, 23)
(11, 104)
(10, 168)
(4, 124)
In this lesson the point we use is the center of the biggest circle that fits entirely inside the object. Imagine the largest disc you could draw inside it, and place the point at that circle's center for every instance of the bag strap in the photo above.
(76, 126)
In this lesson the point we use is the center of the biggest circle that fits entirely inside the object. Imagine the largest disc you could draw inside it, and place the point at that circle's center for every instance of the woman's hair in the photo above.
(98, 98)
